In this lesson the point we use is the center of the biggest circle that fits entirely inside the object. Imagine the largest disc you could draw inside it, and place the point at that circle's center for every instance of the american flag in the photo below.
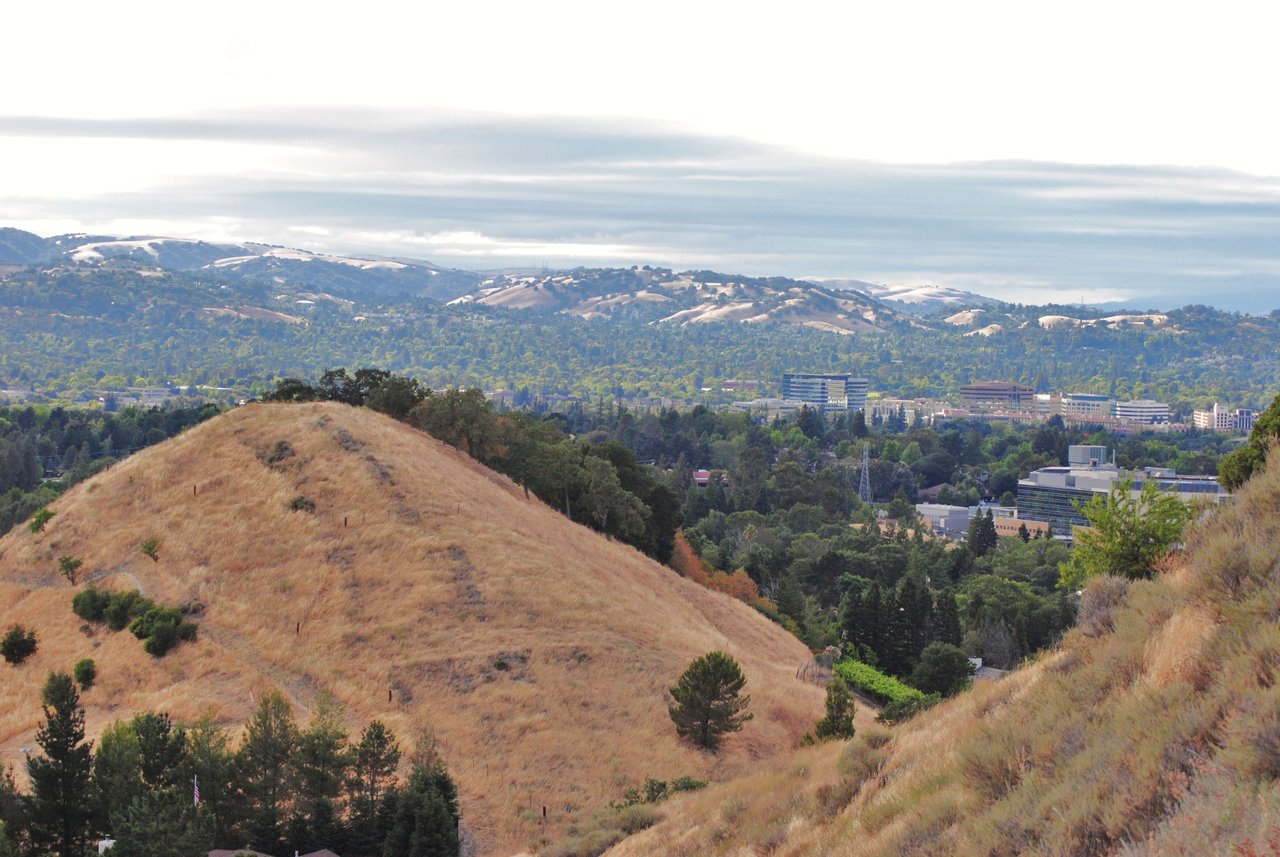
(195, 784)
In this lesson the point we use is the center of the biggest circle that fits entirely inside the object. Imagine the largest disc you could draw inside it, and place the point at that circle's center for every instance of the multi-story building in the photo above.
(1221, 419)
(1142, 411)
(997, 394)
(827, 392)
(1084, 406)
(1052, 493)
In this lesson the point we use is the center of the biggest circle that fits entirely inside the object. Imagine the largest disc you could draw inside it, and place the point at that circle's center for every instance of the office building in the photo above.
(997, 394)
(830, 393)
(1142, 411)
(1052, 493)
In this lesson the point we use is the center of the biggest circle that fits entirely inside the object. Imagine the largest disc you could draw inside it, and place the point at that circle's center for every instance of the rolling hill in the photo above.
(285, 268)
(689, 297)
(1153, 729)
(537, 651)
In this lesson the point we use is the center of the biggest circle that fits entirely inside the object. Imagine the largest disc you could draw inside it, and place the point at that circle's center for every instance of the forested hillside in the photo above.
(70, 332)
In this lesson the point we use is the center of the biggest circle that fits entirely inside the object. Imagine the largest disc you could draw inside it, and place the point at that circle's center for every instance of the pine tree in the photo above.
(946, 619)
(60, 808)
(426, 817)
(375, 760)
(264, 764)
(838, 722)
(709, 701)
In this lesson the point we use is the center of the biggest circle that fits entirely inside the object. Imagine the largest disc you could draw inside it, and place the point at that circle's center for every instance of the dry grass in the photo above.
(1154, 729)
(538, 652)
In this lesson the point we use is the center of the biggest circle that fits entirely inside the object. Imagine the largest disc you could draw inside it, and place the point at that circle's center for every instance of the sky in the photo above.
(1084, 152)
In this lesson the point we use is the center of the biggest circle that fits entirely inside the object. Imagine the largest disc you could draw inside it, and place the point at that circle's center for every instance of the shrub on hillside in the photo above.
(708, 700)
(904, 709)
(40, 518)
(19, 644)
(160, 628)
(123, 607)
(86, 673)
(90, 603)
(1097, 603)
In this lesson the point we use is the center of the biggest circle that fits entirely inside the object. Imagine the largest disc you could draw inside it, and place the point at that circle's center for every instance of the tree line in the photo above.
(162, 788)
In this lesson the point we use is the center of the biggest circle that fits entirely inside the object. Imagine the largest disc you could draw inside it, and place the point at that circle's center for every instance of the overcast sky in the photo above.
(1090, 151)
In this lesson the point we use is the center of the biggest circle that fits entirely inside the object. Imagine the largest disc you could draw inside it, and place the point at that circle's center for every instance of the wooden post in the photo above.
(388, 694)
(193, 490)
(298, 628)
(344, 520)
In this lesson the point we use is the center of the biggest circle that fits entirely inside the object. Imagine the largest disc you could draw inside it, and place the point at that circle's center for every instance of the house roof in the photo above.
(237, 852)
(322, 853)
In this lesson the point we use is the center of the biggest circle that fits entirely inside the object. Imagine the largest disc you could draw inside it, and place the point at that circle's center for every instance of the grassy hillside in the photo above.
(539, 652)
(1153, 729)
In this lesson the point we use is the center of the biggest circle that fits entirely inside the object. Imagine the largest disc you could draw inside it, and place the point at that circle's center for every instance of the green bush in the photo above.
(90, 603)
(302, 504)
(19, 644)
(153, 620)
(875, 684)
(39, 519)
(124, 607)
(904, 709)
(86, 673)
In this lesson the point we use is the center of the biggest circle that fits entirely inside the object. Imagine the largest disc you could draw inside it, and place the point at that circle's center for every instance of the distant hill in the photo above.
(1151, 730)
(347, 276)
(919, 300)
(538, 651)
(690, 297)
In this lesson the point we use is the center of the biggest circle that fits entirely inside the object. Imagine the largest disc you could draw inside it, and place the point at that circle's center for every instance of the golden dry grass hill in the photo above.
(1153, 729)
(538, 651)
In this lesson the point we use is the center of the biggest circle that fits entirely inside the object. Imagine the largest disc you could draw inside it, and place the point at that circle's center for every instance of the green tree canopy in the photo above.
(708, 700)
(1127, 534)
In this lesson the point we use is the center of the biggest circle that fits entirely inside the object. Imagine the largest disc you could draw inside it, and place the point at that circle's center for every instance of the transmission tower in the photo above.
(864, 482)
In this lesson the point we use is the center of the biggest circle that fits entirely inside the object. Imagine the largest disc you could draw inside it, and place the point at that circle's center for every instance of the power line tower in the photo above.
(864, 482)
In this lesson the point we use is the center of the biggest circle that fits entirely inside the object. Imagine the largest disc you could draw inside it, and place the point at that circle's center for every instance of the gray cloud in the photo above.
(403, 183)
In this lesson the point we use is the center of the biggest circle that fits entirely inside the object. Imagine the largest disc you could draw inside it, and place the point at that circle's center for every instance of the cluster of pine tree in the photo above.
(890, 628)
(166, 789)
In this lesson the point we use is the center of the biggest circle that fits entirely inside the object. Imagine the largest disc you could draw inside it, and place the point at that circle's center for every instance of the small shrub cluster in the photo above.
(19, 644)
(302, 504)
(40, 518)
(605, 829)
(160, 628)
(654, 791)
(86, 673)
(875, 684)
(898, 710)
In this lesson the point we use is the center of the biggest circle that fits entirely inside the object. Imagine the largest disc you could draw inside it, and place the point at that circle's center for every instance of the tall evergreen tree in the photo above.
(264, 764)
(426, 817)
(60, 809)
(946, 619)
(708, 700)
(374, 762)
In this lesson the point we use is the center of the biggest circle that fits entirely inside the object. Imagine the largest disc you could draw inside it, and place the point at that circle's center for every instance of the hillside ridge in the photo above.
(537, 651)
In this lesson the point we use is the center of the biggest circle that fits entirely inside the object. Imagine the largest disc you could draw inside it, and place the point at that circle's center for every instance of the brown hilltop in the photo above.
(538, 651)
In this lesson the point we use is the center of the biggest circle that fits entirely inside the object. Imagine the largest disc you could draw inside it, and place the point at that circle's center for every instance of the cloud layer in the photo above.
(480, 191)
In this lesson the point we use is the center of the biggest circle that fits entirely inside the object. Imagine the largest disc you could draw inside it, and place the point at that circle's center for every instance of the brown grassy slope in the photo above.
(445, 574)
(1154, 729)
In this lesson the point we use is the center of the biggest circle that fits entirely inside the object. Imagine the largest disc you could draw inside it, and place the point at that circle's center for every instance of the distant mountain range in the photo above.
(651, 294)
(348, 276)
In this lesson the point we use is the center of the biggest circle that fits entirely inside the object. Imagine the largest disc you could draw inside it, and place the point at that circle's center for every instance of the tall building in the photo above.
(1221, 419)
(1086, 405)
(827, 392)
(997, 394)
(1143, 411)
(1051, 494)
